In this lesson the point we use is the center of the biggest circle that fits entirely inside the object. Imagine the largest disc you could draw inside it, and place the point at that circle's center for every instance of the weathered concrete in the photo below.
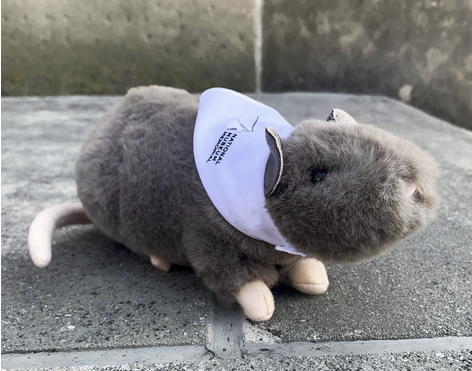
(97, 295)
(94, 294)
(418, 51)
(107, 47)
(439, 361)
(197, 354)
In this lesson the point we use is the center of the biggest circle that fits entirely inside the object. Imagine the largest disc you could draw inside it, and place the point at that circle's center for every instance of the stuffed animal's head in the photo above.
(345, 192)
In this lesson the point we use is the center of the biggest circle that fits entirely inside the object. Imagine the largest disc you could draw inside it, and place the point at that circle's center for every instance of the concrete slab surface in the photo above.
(94, 294)
(197, 354)
(97, 295)
(413, 361)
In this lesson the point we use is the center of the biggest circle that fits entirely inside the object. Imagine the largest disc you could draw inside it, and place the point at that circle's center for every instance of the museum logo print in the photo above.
(224, 142)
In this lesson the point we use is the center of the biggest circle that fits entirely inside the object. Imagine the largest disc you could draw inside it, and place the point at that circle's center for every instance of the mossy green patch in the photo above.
(87, 68)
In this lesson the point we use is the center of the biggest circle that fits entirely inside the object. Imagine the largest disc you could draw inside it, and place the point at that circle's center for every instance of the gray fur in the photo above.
(138, 183)
(360, 209)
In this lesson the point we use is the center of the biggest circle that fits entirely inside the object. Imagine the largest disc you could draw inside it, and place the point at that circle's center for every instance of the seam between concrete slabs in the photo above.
(171, 354)
(109, 357)
(305, 349)
(226, 330)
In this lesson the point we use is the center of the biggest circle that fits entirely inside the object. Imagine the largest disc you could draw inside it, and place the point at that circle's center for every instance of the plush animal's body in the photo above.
(138, 183)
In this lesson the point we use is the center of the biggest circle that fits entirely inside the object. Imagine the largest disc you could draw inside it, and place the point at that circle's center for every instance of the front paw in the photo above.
(256, 300)
(308, 276)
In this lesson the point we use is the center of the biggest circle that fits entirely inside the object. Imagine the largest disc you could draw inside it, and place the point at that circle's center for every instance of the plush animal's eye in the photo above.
(318, 175)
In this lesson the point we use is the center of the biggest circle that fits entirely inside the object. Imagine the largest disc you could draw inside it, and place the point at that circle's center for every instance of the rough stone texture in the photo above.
(418, 51)
(94, 294)
(412, 361)
(420, 290)
(105, 47)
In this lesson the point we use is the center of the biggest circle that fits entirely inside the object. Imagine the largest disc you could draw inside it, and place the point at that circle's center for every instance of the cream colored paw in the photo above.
(256, 300)
(160, 263)
(308, 276)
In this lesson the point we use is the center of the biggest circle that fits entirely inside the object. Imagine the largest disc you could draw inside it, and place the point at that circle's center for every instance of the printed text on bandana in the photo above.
(222, 147)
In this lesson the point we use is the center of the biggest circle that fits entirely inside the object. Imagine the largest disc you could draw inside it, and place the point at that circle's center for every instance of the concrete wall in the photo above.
(54, 47)
(419, 51)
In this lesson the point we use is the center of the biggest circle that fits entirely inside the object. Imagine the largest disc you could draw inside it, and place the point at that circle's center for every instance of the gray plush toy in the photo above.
(333, 191)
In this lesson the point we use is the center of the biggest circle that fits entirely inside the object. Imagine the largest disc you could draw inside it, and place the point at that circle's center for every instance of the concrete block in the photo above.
(416, 51)
(95, 293)
(438, 361)
(54, 47)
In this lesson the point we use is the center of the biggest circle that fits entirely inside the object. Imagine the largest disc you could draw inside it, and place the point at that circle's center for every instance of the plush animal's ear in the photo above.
(340, 117)
(275, 164)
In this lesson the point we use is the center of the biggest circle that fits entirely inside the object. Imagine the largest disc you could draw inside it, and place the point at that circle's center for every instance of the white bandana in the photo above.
(231, 155)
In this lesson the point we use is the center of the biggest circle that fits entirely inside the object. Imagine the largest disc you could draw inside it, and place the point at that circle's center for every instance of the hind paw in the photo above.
(160, 263)
(308, 276)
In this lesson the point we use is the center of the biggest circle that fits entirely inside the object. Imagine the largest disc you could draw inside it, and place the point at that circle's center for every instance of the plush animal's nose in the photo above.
(410, 189)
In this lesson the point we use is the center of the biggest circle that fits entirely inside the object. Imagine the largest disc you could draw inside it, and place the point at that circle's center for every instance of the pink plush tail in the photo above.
(43, 226)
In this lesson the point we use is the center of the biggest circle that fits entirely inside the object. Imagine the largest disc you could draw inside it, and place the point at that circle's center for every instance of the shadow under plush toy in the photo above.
(229, 187)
